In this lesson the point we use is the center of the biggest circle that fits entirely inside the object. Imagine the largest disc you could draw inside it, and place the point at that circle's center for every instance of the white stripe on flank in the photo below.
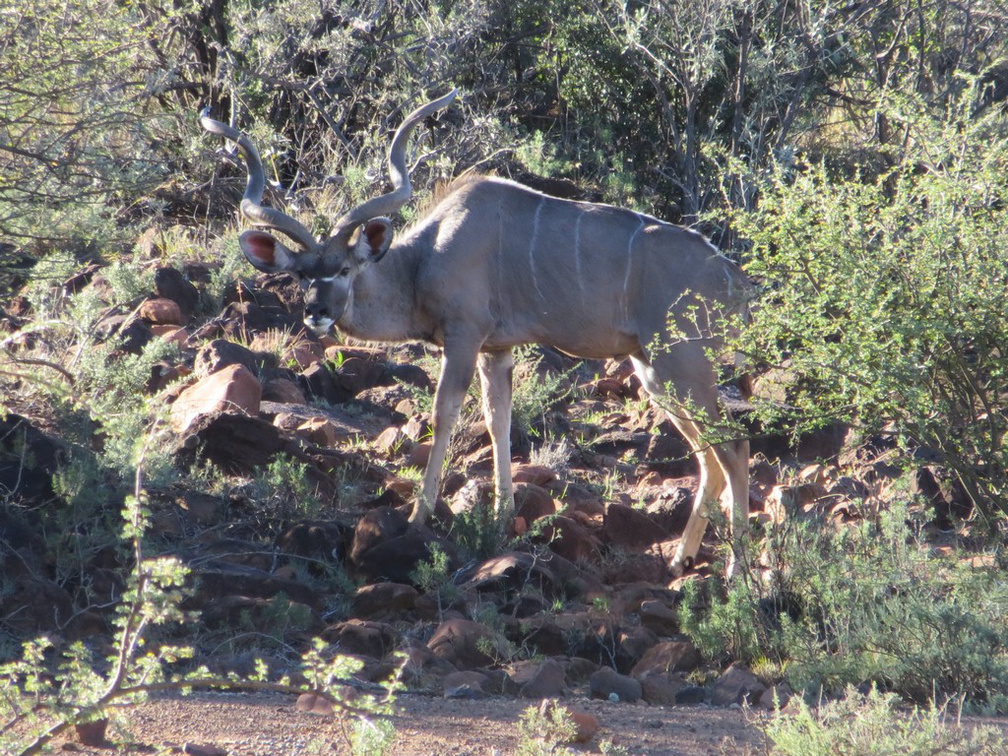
(532, 246)
(629, 259)
(577, 252)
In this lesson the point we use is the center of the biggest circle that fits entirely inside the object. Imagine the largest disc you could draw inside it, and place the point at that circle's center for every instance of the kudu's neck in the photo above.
(384, 297)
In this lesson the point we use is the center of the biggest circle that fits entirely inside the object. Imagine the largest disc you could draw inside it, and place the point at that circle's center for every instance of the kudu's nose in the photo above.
(315, 310)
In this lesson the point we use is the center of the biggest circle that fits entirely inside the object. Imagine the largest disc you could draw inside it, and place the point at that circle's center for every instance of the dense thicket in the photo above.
(859, 149)
(644, 100)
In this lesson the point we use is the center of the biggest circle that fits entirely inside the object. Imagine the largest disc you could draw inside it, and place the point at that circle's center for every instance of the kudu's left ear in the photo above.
(373, 241)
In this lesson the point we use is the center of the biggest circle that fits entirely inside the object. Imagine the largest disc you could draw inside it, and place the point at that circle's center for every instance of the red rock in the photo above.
(537, 475)
(416, 428)
(669, 656)
(391, 441)
(419, 455)
(462, 642)
(203, 749)
(92, 733)
(303, 354)
(383, 600)
(283, 391)
(737, 685)
(626, 526)
(465, 684)
(232, 389)
(532, 502)
(609, 684)
(541, 679)
(659, 616)
(660, 688)
(314, 703)
(587, 725)
(423, 668)
(571, 540)
(363, 637)
(161, 311)
(322, 432)
(173, 334)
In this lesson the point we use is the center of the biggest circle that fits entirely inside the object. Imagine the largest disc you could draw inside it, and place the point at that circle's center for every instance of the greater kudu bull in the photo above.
(496, 264)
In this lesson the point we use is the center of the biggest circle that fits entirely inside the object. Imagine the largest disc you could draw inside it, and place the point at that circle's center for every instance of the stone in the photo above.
(218, 354)
(171, 334)
(171, 283)
(363, 637)
(630, 528)
(383, 600)
(586, 725)
(390, 442)
(234, 442)
(532, 502)
(322, 431)
(668, 656)
(283, 391)
(462, 642)
(536, 475)
(161, 311)
(571, 540)
(547, 680)
(314, 703)
(232, 389)
(659, 617)
(736, 686)
(468, 684)
(659, 688)
(610, 685)
(632, 644)
(423, 668)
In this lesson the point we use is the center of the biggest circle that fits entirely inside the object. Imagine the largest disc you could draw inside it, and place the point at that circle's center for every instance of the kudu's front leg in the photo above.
(495, 369)
(457, 367)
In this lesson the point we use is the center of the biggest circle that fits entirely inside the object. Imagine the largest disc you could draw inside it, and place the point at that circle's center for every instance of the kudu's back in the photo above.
(591, 280)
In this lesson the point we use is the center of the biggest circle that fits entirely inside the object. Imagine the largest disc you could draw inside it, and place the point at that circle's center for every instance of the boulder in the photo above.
(546, 679)
(736, 686)
(231, 389)
(668, 656)
(161, 311)
(383, 600)
(610, 685)
(464, 643)
(362, 637)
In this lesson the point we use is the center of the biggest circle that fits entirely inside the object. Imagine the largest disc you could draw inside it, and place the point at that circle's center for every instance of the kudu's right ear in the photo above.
(373, 241)
(266, 252)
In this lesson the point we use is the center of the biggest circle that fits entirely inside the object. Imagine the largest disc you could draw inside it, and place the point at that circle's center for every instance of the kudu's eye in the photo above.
(344, 272)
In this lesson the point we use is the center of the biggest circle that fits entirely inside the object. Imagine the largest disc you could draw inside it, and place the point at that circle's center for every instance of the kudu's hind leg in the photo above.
(495, 369)
(724, 468)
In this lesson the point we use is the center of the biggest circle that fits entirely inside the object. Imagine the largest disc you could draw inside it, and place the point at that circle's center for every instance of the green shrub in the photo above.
(869, 603)
(885, 295)
(872, 724)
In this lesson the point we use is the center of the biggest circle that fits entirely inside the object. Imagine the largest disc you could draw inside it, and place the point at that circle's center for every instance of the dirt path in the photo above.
(270, 725)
